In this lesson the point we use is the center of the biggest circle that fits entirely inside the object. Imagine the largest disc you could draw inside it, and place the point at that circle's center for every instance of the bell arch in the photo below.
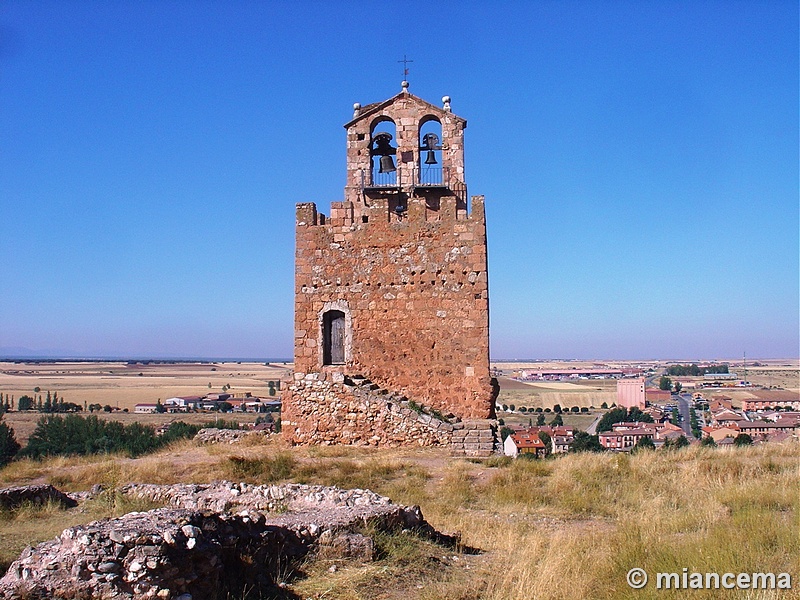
(382, 152)
(430, 167)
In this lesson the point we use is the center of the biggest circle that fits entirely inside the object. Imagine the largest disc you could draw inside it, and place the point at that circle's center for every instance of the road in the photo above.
(684, 402)
(592, 429)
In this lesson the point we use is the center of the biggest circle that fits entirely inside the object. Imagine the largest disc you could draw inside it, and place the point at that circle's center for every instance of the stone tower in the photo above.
(391, 294)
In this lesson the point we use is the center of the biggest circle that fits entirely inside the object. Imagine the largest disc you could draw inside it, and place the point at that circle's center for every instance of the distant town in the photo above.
(656, 407)
(213, 403)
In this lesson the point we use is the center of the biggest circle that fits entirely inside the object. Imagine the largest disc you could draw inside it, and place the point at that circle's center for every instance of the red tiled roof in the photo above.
(527, 441)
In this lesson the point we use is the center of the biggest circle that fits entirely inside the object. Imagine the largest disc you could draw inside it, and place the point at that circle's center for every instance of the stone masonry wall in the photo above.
(415, 294)
(347, 411)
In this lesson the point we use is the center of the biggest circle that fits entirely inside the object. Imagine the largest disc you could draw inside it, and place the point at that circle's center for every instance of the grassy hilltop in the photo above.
(566, 528)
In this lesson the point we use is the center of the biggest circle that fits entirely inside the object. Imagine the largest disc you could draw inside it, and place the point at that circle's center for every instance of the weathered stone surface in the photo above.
(355, 412)
(212, 435)
(12, 497)
(478, 438)
(192, 549)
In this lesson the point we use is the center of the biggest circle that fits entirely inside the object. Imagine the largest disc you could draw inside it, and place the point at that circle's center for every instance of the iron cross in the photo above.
(405, 62)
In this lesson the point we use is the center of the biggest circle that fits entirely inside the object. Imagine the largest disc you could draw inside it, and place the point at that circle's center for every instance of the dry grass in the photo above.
(550, 530)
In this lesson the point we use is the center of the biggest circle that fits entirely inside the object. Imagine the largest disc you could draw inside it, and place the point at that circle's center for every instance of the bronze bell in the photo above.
(387, 165)
(431, 159)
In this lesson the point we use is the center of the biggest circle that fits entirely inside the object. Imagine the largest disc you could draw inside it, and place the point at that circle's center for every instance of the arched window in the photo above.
(431, 170)
(333, 337)
(383, 150)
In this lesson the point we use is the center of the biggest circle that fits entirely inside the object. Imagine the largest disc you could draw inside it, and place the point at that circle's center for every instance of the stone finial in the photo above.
(446, 101)
(356, 109)
(404, 85)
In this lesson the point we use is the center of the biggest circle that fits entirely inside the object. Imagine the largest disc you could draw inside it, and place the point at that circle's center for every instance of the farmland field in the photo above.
(123, 384)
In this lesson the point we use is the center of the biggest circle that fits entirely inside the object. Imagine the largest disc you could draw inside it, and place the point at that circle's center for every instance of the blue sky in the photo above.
(639, 162)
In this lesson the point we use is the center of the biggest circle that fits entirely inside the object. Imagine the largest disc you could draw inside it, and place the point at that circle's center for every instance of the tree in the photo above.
(585, 442)
(742, 440)
(557, 408)
(636, 414)
(75, 435)
(8, 444)
(604, 405)
(709, 442)
(160, 407)
(557, 421)
(615, 415)
(547, 441)
(678, 387)
(540, 419)
(644, 443)
(180, 430)
(694, 370)
(681, 442)
(665, 383)
(25, 403)
(505, 432)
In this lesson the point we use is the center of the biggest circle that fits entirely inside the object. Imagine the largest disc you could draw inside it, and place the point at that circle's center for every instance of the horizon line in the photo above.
(286, 360)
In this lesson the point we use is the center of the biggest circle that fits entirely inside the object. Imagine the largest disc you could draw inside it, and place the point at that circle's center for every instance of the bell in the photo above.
(387, 165)
(431, 160)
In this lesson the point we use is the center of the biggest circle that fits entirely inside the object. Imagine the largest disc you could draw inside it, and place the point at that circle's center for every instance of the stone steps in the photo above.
(475, 438)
